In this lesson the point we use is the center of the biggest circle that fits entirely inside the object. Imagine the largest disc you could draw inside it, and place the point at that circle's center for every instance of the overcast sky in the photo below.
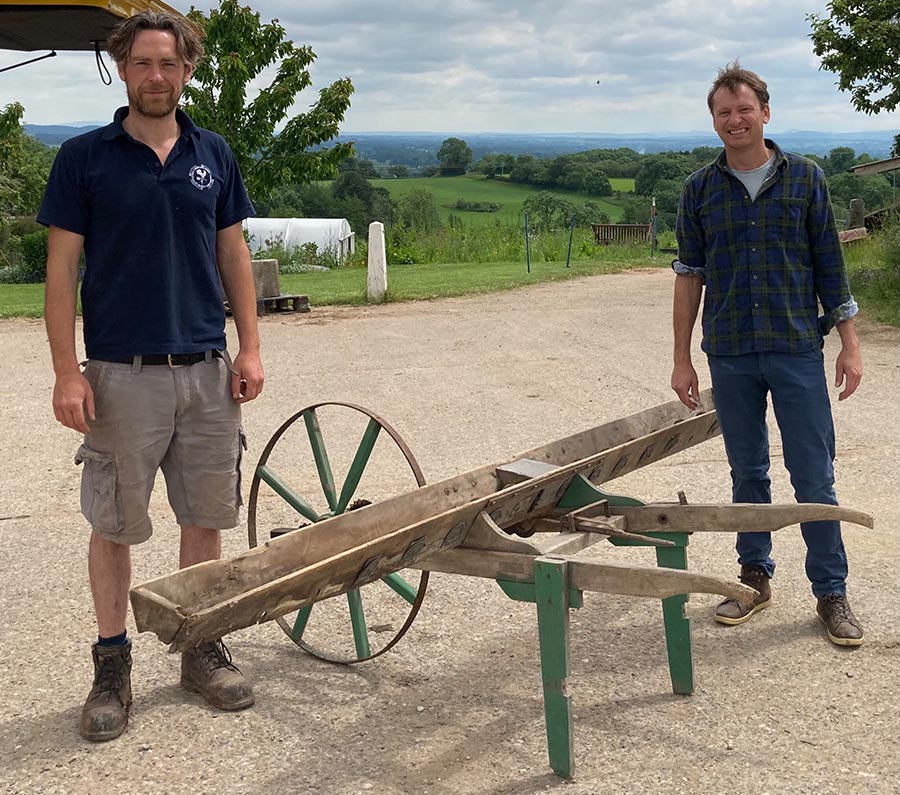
(461, 66)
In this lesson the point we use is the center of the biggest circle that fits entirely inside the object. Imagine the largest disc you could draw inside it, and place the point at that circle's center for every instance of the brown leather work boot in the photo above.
(207, 669)
(732, 612)
(840, 623)
(105, 713)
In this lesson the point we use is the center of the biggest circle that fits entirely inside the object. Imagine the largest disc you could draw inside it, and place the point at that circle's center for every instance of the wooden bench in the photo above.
(621, 233)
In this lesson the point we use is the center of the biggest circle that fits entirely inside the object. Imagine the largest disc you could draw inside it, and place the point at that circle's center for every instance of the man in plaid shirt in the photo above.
(756, 228)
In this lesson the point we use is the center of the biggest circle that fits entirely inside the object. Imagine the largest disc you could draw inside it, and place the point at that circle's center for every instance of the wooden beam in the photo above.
(737, 517)
(628, 579)
(877, 166)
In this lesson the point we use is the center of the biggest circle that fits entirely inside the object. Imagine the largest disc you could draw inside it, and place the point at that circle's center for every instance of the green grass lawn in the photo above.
(405, 282)
(21, 300)
(874, 284)
(477, 188)
(428, 281)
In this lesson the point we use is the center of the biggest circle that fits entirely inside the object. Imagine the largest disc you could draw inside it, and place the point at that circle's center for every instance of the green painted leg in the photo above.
(551, 589)
(300, 622)
(358, 621)
(677, 624)
(400, 586)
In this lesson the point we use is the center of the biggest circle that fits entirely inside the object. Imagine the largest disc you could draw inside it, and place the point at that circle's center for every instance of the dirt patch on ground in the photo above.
(456, 708)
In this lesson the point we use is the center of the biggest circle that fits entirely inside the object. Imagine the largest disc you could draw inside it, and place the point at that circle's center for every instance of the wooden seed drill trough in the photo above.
(520, 522)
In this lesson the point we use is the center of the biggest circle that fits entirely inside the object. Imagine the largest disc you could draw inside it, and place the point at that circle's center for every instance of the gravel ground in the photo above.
(456, 707)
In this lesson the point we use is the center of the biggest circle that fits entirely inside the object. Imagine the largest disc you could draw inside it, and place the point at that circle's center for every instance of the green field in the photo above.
(477, 188)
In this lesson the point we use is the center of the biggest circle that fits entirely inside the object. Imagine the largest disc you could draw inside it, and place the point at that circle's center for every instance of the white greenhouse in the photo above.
(329, 234)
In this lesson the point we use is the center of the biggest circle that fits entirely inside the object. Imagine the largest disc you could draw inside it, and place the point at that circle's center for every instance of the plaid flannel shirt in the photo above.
(765, 262)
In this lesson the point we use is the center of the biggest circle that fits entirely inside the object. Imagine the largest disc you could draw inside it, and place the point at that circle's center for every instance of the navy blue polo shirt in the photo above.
(151, 283)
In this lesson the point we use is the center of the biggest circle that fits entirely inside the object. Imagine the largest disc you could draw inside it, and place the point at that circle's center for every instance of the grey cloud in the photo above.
(491, 65)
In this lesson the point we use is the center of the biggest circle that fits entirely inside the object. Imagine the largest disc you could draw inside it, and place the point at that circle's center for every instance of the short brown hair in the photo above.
(188, 37)
(733, 76)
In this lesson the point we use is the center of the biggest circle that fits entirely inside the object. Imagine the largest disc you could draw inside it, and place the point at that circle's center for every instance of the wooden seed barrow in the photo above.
(520, 522)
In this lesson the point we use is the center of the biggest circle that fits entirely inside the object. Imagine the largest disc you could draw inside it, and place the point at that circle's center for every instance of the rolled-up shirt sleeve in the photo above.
(691, 260)
(686, 270)
(837, 315)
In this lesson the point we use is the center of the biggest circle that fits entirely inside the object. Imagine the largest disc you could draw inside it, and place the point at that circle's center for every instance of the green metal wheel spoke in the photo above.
(360, 460)
(358, 619)
(400, 586)
(287, 493)
(322, 464)
(300, 622)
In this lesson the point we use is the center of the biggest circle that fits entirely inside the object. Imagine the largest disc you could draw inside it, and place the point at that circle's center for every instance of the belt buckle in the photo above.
(172, 365)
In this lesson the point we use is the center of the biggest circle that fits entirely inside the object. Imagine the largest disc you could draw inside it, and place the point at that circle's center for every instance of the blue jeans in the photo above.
(803, 412)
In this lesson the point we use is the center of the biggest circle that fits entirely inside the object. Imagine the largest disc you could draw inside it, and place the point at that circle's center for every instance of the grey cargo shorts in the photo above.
(181, 420)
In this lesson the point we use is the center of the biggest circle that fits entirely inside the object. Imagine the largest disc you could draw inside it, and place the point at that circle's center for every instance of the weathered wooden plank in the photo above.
(628, 579)
(211, 615)
(565, 543)
(539, 496)
(743, 517)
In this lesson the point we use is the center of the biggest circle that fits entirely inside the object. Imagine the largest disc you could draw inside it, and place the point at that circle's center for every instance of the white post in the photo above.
(377, 276)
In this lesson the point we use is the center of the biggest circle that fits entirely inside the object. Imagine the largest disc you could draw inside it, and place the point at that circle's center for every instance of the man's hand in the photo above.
(246, 377)
(848, 370)
(73, 398)
(686, 384)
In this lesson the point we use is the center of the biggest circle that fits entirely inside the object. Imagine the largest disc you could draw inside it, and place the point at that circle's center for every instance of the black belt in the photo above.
(170, 359)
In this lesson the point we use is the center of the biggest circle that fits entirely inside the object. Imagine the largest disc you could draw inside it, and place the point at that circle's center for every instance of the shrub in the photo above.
(873, 267)
(474, 207)
(297, 259)
(33, 250)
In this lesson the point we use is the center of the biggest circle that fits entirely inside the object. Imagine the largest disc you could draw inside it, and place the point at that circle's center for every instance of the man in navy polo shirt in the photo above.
(155, 204)
(756, 232)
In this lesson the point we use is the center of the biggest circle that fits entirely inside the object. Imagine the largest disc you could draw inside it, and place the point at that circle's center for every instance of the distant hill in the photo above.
(416, 149)
(55, 134)
(419, 149)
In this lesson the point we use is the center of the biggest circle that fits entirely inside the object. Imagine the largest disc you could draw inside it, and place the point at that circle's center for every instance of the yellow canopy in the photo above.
(72, 25)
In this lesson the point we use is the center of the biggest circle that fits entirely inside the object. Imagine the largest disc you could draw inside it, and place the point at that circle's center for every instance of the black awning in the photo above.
(55, 27)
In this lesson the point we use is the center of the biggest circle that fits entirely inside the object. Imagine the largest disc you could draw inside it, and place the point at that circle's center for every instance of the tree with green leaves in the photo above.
(9, 128)
(595, 183)
(666, 165)
(361, 165)
(417, 210)
(490, 165)
(860, 42)
(24, 165)
(455, 157)
(239, 47)
(840, 159)
(548, 211)
(875, 191)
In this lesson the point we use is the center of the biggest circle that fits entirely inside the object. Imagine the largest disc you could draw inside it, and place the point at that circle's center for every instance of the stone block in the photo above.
(265, 278)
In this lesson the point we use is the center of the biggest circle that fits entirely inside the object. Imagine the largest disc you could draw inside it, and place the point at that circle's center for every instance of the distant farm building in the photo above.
(329, 234)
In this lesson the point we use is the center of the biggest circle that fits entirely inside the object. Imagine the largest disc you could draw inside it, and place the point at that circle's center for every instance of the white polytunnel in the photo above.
(329, 234)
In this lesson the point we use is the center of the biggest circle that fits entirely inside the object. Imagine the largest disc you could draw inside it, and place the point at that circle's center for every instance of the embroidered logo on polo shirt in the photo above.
(201, 177)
